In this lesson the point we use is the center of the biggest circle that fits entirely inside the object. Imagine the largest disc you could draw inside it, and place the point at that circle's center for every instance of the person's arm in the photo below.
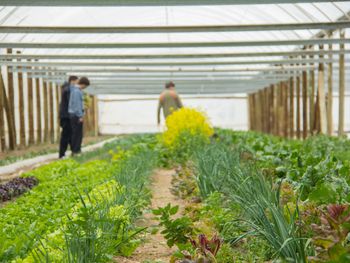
(158, 111)
(81, 106)
(178, 101)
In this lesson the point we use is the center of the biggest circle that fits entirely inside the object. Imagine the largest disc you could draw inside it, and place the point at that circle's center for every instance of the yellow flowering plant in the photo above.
(186, 130)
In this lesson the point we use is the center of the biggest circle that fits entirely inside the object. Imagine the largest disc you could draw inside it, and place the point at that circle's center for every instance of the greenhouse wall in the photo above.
(125, 114)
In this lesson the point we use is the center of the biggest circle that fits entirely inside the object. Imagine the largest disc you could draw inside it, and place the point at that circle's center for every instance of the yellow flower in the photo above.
(186, 122)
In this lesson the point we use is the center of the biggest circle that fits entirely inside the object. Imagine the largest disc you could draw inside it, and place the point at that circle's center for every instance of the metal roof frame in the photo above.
(150, 2)
(118, 45)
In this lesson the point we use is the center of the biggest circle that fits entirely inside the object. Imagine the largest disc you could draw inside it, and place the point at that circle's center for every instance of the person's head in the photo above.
(170, 85)
(73, 80)
(83, 83)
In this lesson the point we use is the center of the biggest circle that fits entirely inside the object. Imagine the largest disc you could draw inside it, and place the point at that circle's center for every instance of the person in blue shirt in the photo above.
(66, 131)
(76, 113)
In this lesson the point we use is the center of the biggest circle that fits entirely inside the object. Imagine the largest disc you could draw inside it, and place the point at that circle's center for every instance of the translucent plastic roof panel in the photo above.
(143, 16)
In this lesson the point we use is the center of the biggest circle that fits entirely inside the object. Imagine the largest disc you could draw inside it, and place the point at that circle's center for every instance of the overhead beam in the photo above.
(165, 63)
(172, 55)
(173, 70)
(150, 2)
(166, 76)
(118, 45)
(171, 29)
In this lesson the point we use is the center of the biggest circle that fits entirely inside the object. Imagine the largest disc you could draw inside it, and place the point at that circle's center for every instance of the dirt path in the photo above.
(155, 249)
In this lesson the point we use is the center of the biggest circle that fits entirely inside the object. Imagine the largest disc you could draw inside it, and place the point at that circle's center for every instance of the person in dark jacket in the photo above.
(66, 132)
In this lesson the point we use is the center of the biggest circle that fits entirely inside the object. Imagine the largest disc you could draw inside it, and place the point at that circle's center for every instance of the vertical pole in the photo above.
(271, 117)
(304, 95)
(341, 87)
(250, 115)
(298, 107)
(22, 127)
(322, 97)
(267, 110)
(30, 110)
(11, 107)
(58, 90)
(2, 120)
(38, 111)
(9, 116)
(291, 107)
(46, 112)
(259, 113)
(52, 118)
(312, 101)
(286, 109)
(330, 92)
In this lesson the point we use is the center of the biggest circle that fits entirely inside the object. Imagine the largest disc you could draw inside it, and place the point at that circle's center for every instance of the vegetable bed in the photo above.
(250, 198)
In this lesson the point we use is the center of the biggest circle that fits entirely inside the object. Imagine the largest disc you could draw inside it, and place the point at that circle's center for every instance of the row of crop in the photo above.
(291, 195)
(270, 199)
(51, 207)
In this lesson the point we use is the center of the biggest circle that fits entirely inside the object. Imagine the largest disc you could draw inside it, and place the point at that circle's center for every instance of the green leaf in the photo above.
(323, 193)
(174, 210)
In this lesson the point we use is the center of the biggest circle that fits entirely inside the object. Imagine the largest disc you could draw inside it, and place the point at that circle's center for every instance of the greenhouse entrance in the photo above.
(180, 131)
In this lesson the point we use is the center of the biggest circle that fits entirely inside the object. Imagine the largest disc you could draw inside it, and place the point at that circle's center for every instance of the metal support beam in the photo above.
(118, 45)
(171, 55)
(162, 70)
(150, 2)
(171, 29)
(165, 63)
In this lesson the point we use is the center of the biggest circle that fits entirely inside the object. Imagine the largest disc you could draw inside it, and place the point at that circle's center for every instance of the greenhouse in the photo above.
(180, 131)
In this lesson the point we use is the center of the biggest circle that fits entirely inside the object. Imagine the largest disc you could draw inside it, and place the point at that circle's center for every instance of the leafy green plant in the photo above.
(258, 199)
(331, 235)
(205, 250)
(176, 231)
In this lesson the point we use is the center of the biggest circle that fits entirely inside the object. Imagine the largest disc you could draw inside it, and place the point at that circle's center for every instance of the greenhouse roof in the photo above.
(133, 47)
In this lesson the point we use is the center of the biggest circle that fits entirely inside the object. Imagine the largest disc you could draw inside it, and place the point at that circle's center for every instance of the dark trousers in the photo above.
(77, 134)
(66, 135)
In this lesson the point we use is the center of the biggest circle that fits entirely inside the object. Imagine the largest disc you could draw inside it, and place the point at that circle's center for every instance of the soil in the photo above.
(46, 147)
(38, 150)
(155, 249)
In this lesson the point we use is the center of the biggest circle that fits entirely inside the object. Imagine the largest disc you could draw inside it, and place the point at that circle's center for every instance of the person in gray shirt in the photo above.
(76, 113)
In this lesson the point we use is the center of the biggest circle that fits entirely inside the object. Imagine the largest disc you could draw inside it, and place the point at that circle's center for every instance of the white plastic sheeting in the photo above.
(120, 114)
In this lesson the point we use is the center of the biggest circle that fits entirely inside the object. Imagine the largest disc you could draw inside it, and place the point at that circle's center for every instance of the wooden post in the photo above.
(2, 120)
(38, 111)
(280, 109)
(286, 109)
(341, 87)
(267, 110)
(298, 108)
(312, 102)
(330, 92)
(250, 109)
(291, 107)
(322, 97)
(46, 112)
(305, 97)
(30, 110)
(271, 108)
(263, 113)
(275, 106)
(22, 126)
(11, 97)
(11, 107)
(259, 113)
(58, 92)
(51, 110)
(9, 116)
(96, 115)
